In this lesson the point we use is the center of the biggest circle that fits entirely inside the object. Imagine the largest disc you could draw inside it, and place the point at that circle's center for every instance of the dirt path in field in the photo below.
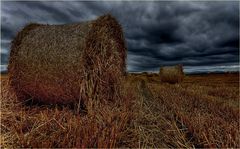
(154, 124)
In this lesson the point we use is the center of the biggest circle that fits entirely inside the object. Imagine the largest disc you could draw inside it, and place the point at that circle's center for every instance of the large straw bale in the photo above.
(172, 74)
(68, 63)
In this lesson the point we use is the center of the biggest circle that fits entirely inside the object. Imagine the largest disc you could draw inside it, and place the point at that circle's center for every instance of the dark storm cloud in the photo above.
(157, 33)
(6, 32)
(207, 35)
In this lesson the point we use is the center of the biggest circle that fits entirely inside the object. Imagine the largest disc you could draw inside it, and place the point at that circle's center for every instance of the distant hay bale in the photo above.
(172, 74)
(68, 63)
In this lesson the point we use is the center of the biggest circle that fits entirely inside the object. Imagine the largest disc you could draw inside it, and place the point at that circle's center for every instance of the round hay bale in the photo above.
(172, 74)
(68, 63)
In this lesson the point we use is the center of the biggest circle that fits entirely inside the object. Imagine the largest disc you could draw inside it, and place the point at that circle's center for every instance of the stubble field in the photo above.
(202, 111)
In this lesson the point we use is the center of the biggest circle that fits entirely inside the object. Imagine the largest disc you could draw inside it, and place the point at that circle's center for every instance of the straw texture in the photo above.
(172, 74)
(68, 63)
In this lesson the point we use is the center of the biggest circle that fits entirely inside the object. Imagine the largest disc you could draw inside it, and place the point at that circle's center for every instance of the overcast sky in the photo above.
(203, 36)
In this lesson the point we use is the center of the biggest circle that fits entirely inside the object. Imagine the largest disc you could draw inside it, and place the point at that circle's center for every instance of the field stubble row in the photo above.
(196, 113)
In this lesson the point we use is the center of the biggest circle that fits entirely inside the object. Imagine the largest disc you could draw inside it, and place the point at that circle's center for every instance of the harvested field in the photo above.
(202, 111)
(25, 124)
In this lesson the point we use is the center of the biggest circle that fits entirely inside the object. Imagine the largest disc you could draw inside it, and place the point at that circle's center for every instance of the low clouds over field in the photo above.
(196, 34)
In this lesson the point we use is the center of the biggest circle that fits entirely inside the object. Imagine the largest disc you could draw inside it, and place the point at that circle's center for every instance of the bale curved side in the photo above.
(68, 63)
(172, 74)
(13, 69)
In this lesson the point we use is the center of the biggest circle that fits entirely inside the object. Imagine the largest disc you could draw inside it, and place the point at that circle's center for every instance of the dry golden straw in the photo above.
(68, 63)
(172, 74)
